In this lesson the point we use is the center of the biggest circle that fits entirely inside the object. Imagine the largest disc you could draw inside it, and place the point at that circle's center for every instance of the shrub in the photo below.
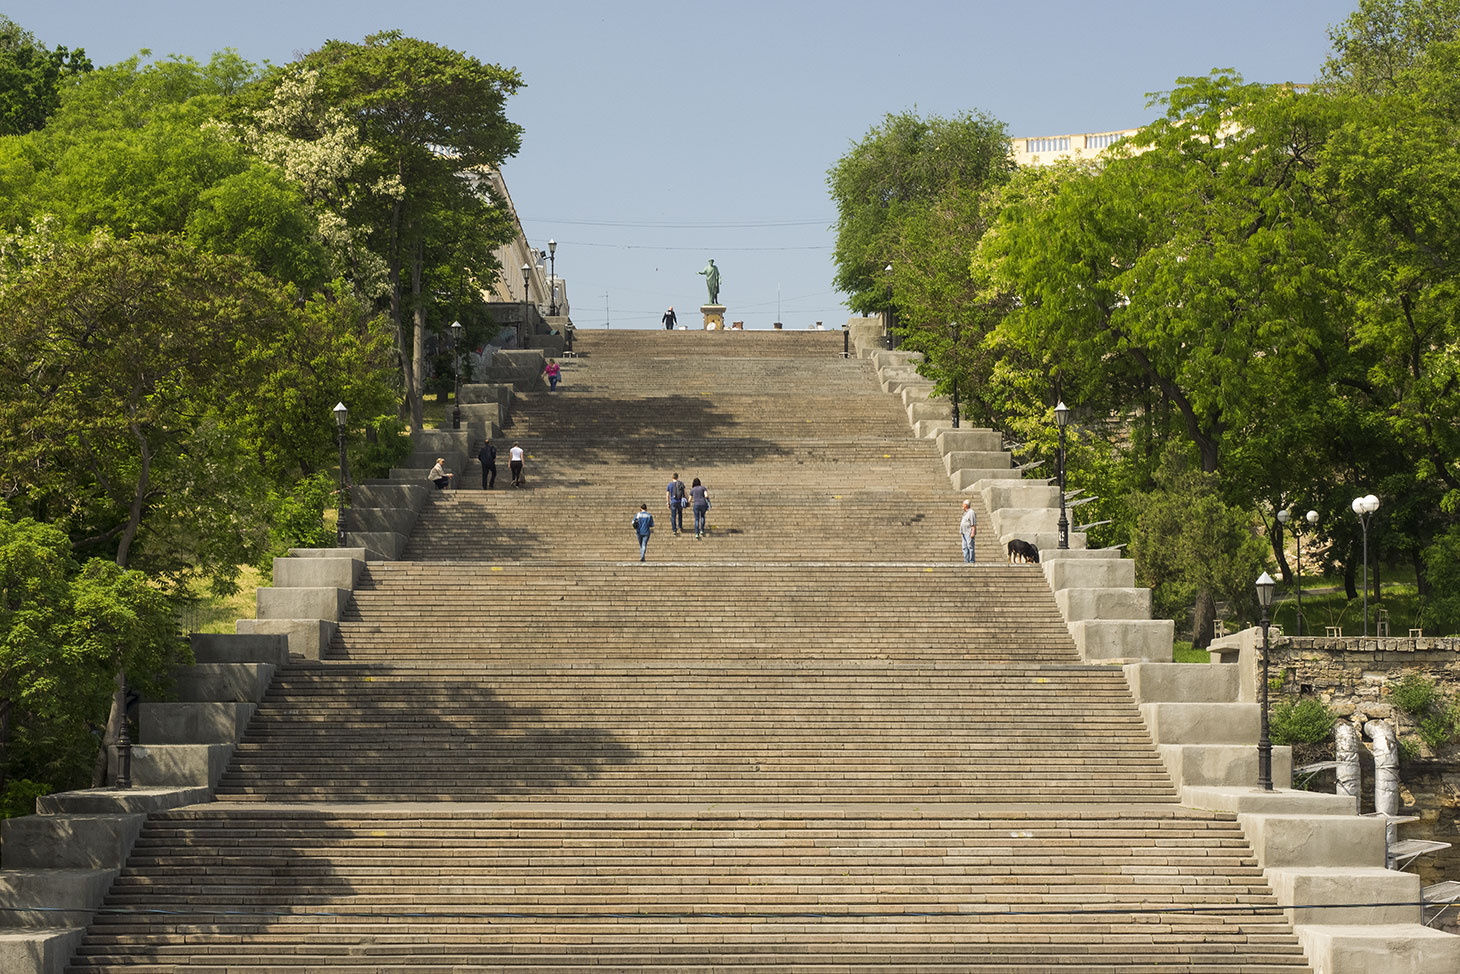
(1414, 695)
(1307, 721)
(19, 797)
(1437, 728)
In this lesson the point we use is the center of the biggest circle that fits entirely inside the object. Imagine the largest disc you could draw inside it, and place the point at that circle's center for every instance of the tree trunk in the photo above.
(412, 399)
(1279, 551)
(103, 772)
(139, 497)
(418, 340)
(1350, 586)
(1204, 620)
(1421, 580)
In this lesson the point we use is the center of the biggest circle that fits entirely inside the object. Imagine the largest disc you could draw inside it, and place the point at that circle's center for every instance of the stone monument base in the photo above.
(714, 316)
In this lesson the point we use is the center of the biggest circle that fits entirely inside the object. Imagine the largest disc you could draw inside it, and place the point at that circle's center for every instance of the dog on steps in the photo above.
(1024, 552)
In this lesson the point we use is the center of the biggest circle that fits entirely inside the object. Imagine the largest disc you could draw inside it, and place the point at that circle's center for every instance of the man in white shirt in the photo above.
(967, 531)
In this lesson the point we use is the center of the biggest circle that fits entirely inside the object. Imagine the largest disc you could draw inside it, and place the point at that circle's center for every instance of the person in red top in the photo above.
(552, 370)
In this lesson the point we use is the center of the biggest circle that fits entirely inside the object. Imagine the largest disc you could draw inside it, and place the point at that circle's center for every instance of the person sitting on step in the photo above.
(438, 474)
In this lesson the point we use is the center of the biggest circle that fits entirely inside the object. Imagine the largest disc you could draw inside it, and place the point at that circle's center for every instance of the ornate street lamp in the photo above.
(1265, 585)
(553, 277)
(342, 416)
(521, 336)
(456, 330)
(123, 778)
(1061, 420)
(1363, 507)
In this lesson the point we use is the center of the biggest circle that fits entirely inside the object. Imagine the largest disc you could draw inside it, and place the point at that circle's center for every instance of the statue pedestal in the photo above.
(714, 316)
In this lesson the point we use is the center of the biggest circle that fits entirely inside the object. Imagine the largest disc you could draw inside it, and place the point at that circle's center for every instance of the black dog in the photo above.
(1024, 551)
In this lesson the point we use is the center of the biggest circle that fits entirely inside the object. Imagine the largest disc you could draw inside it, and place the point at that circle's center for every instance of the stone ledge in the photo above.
(69, 841)
(1324, 840)
(1403, 948)
(1202, 723)
(1221, 765)
(1181, 682)
(41, 950)
(1279, 801)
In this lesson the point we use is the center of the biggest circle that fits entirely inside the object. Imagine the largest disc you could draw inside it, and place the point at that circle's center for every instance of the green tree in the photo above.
(32, 78)
(428, 118)
(901, 169)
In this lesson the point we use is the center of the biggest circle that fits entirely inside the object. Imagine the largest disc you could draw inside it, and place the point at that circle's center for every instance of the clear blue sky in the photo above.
(660, 134)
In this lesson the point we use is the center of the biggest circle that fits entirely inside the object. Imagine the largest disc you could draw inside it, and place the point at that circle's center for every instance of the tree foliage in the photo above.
(32, 78)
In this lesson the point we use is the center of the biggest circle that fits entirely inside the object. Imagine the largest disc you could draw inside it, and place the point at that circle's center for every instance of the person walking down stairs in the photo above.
(700, 497)
(514, 464)
(643, 527)
(967, 531)
(553, 371)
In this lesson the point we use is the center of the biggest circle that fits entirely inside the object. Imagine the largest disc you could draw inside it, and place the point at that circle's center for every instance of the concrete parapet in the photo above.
(1081, 604)
(69, 841)
(551, 345)
(223, 682)
(393, 520)
(978, 460)
(125, 801)
(388, 544)
(926, 429)
(321, 602)
(1048, 543)
(918, 412)
(316, 572)
(896, 359)
(1201, 723)
(519, 368)
(410, 496)
(1402, 948)
(1066, 572)
(359, 554)
(1017, 493)
(1023, 522)
(1347, 894)
(35, 898)
(969, 478)
(474, 393)
(164, 765)
(911, 392)
(39, 950)
(440, 442)
(303, 637)
(1279, 801)
(866, 335)
(974, 440)
(210, 722)
(1123, 640)
(1180, 682)
(1225, 765)
(1306, 840)
(222, 647)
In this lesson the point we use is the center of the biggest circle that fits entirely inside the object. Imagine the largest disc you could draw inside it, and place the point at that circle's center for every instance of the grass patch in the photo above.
(206, 611)
(1182, 652)
(1325, 604)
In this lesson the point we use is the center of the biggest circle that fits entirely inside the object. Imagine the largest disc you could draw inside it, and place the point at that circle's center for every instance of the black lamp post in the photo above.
(123, 777)
(1363, 507)
(553, 277)
(1297, 528)
(955, 374)
(342, 416)
(456, 331)
(887, 321)
(526, 273)
(1265, 585)
(1062, 419)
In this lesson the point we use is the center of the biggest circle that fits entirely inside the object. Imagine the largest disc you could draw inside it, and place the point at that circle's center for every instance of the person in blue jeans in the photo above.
(643, 527)
(700, 499)
(677, 503)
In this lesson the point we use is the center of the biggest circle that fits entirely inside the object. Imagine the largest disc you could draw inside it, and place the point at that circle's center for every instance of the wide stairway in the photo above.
(814, 741)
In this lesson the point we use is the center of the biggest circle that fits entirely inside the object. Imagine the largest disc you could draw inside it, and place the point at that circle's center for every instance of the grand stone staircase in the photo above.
(813, 742)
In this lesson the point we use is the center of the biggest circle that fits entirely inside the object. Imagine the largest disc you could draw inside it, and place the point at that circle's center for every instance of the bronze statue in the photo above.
(712, 281)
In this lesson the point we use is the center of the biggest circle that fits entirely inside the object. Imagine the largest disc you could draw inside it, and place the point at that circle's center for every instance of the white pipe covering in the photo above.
(1386, 767)
(1350, 772)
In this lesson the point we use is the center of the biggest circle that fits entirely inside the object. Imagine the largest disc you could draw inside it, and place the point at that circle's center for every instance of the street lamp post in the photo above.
(342, 416)
(1363, 507)
(553, 277)
(456, 330)
(1062, 419)
(527, 270)
(123, 778)
(1311, 517)
(887, 321)
(1265, 585)
(955, 375)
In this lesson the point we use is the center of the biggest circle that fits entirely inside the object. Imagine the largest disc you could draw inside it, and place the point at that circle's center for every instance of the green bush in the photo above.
(1436, 729)
(1414, 695)
(19, 797)
(1306, 722)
